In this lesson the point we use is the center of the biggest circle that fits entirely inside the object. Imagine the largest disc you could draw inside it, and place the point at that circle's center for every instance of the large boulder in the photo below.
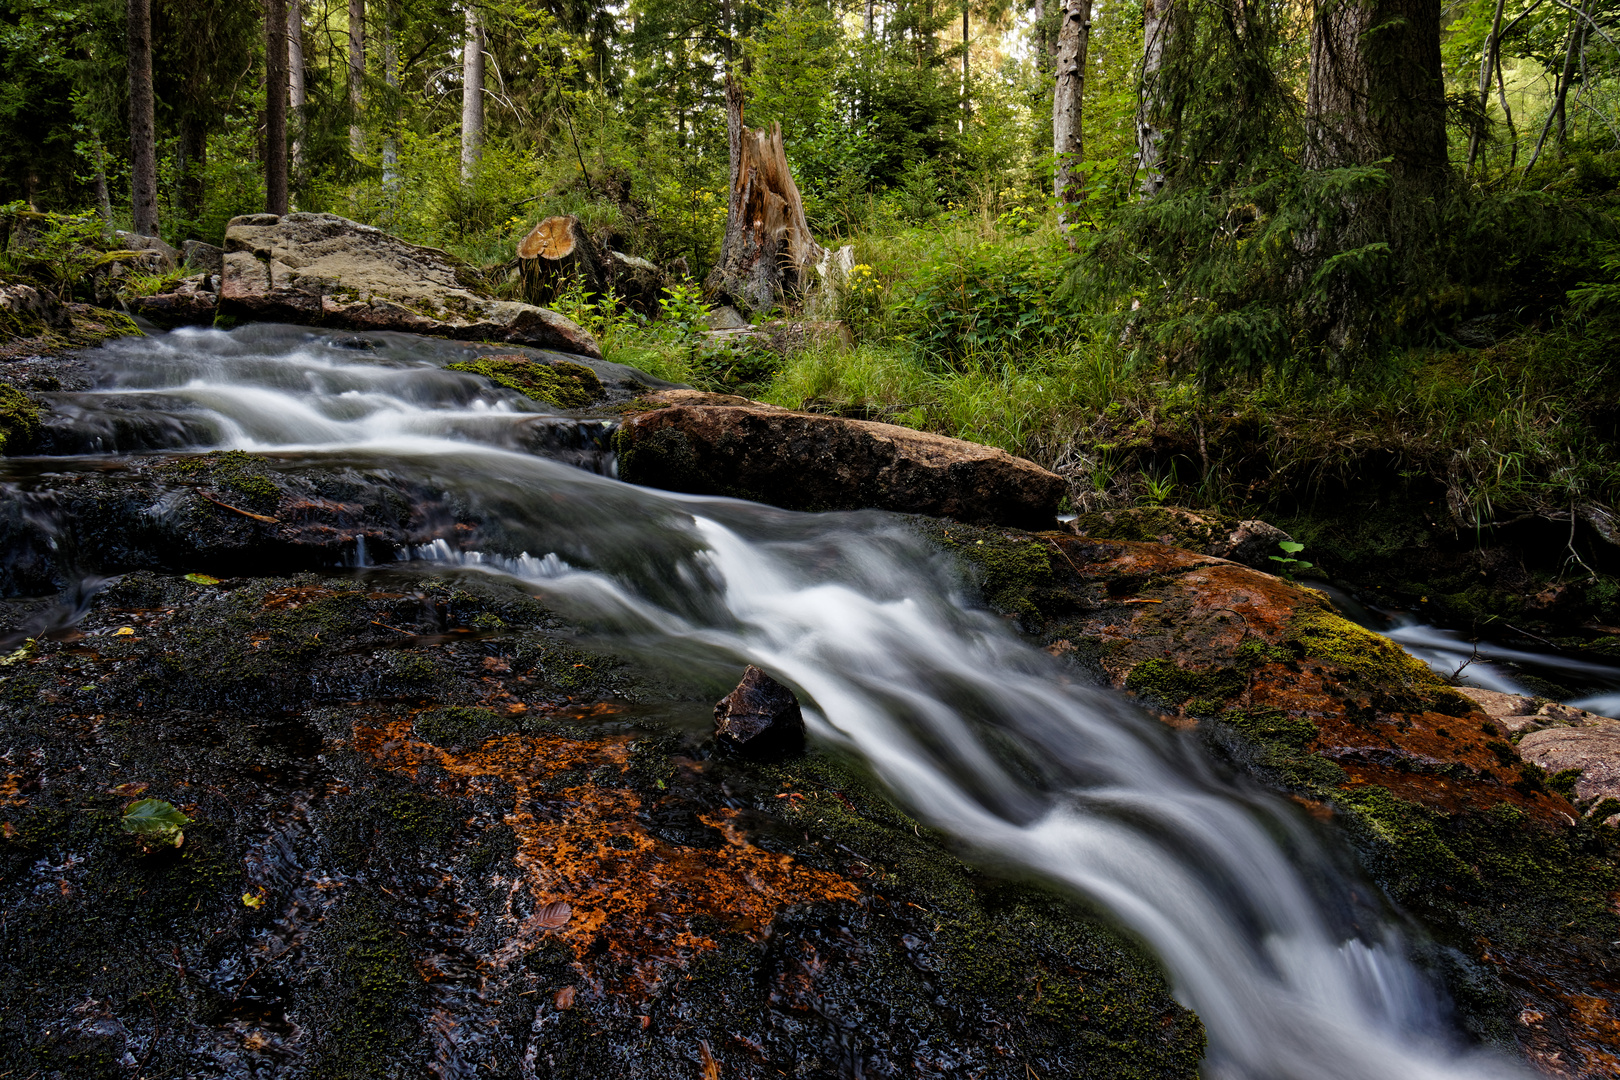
(324, 270)
(718, 444)
(1252, 543)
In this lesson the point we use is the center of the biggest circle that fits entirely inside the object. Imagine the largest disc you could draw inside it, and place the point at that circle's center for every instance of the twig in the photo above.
(239, 510)
(395, 629)
(1463, 666)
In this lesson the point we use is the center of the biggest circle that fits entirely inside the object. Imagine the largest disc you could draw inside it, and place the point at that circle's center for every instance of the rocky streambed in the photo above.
(436, 697)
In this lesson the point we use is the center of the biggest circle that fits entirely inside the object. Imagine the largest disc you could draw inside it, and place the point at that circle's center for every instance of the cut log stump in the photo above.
(557, 253)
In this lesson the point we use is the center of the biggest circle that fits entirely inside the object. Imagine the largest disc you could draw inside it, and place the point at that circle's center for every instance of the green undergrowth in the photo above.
(557, 382)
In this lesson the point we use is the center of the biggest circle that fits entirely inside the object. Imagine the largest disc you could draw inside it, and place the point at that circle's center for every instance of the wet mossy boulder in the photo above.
(562, 383)
(432, 833)
(1511, 878)
(1249, 542)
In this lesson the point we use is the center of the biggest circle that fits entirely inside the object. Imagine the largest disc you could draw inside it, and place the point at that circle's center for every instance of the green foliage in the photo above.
(986, 298)
(58, 250)
(1287, 563)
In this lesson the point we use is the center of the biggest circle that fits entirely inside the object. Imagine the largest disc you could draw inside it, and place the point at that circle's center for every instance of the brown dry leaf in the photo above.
(711, 1067)
(554, 914)
(565, 998)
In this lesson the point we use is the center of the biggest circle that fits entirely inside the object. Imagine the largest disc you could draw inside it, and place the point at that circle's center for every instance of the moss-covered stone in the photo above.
(237, 473)
(19, 420)
(556, 382)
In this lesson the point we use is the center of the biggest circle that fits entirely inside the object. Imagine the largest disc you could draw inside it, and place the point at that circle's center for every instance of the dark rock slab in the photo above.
(760, 719)
(725, 445)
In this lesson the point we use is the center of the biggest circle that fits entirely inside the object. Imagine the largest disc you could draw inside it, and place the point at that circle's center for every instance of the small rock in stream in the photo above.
(760, 719)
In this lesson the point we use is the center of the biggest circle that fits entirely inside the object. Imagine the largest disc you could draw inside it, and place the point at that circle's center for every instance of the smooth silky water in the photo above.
(1290, 960)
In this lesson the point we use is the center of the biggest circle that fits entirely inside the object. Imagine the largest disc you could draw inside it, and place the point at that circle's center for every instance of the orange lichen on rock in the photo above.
(637, 900)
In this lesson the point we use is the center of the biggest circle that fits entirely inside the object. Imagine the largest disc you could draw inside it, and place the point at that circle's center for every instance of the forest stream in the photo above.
(1293, 965)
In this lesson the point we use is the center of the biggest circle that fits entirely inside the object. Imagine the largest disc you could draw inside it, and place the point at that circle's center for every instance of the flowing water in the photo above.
(1466, 659)
(1289, 960)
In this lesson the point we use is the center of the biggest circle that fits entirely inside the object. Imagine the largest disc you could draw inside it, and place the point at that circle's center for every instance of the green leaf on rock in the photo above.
(202, 579)
(156, 820)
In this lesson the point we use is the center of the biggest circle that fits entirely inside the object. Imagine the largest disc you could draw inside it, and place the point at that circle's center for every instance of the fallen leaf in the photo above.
(128, 791)
(554, 914)
(202, 579)
(711, 1067)
(565, 998)
(124, 631)
(252, 901)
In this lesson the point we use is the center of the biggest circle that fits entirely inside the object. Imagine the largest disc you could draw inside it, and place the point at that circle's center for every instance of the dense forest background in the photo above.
(1286, 250)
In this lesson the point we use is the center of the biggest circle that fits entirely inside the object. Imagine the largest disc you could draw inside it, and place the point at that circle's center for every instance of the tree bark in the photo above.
(103, 196)
(1376, 90)
(1487, 63)
(1068, 140)
(390, 147)
(472, 95)
(275, 106)
(357, 74)
(142, 124)
(1561, 90)
(1158, 32)
(295, 79)
(967, 100)
(768, 250)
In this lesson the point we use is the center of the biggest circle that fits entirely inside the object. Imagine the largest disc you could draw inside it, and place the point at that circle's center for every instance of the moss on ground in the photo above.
(233, 473)
(556, 382)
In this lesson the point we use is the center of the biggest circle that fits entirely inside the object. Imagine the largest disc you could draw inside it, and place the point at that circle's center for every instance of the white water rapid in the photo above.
(1294, 967)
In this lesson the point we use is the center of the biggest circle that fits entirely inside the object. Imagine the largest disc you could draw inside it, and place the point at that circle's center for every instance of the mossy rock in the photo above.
(233, 473)
(19, 420)
(556, 382)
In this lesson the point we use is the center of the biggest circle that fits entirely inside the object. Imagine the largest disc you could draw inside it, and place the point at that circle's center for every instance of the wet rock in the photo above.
(89, 1043)
(324, 270)
(1588, 743)
(212, 512)
(1515, 714)
(1249, 542)
(433, 835)
(191, 303)
(1472, 834)
(722, 445)
(556, 382)
(760, 719)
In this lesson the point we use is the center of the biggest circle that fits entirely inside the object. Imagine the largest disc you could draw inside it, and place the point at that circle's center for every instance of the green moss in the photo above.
(460, 728)
(235, 473)
(558, 382)
(1372, 661)
(373, 1021)
(19, 420)
(1168, 684)
(1192, 531)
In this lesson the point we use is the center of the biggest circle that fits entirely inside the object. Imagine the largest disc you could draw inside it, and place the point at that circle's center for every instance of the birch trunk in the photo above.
(142, 124)
(1068, 142)
(472, 95)
(357, 74)
(275, 106)
(1158, 28)
(295, 80)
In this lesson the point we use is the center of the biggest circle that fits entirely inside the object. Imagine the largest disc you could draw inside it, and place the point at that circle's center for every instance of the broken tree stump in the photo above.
(768, 253)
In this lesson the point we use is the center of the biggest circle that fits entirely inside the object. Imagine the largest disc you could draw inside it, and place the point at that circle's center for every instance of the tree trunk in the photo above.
(103, 196)
(192, 158)
(768, 250)
(142, 124)
(866, 28)
(967, 100)
(1068, 140)
(1158, 32)
(1376, 90)
(1561, 91)
(472, 95)
(1487, 63)
(555, 253)
(275, 106)
(390, 148)
(357, 74)
(295, 79)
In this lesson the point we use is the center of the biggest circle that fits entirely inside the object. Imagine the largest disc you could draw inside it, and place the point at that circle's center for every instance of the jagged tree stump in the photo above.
(556, 253)
(768, 254)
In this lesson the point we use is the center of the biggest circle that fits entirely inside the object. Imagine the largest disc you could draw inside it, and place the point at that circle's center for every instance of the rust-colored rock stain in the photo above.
(635, 898)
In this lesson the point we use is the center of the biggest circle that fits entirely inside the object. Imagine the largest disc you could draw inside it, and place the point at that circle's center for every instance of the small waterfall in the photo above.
(1290, 962)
